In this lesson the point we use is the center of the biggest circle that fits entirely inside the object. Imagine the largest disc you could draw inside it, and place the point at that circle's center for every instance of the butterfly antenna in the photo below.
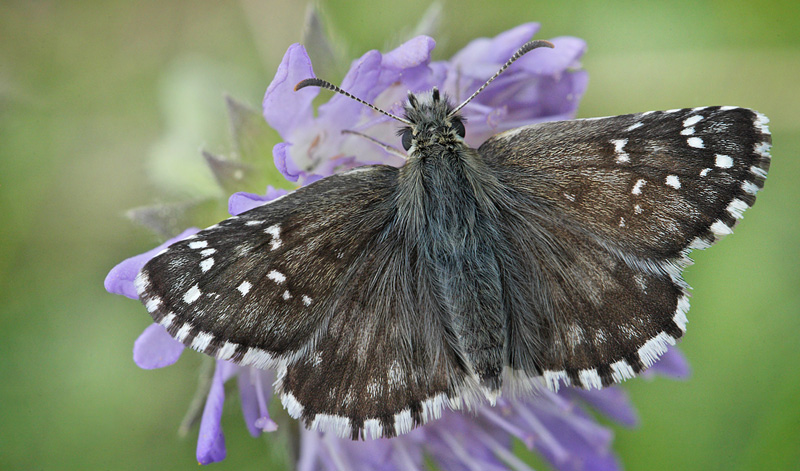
(315, 82)
(526, 48)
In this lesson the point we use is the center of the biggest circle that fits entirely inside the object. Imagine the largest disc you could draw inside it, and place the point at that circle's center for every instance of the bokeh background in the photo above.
(92, 93)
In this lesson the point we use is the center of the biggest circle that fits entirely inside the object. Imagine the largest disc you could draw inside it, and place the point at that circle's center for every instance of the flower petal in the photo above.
(342, 112)
(284, 109)
(255, 392)
(612, 402)
(284, 162)
(495, 50)
(120, 279)
(412, 53)
(241, 202)
(210, 441)
(155, 348)
(672, 364)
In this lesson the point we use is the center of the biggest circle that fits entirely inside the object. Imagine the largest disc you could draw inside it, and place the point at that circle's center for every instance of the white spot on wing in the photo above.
(699, 243)
(590, 379)
(687, 132)
(244, 288)
(599, 336)
(575, 335)
(637, 188)
(287, 295)
(192, 295)
(634, 126)
(201, 342)
(307, 300)
(152, 303)
(227, 350)
(167, 320)
(403, 422)
(761, 123)
(654, 348)
(704, 172)
(672, 180)
(208, 252)
(723, 161)
(621, 371)
(206, 264)
(276, 276)
(198, 244)
(553, 379)
(372, 428)
(183, 332)
(292, 406)
(695, 142)
(762, 149)
(736, 208)
(692, 120)
(257, 358)
(275, 232)
(680, 313)
(619, 145)
(749, 187)
(720, 229)
(758, 171)
(141, 283)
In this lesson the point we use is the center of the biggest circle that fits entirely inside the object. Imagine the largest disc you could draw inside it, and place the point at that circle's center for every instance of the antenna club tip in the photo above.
(536, 44)
(309, 82)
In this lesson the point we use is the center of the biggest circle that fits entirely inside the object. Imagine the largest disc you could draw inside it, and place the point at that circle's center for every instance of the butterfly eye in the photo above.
(458, 125)
(407, 137)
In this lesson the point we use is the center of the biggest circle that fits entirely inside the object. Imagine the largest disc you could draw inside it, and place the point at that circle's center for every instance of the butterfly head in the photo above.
(431, 122)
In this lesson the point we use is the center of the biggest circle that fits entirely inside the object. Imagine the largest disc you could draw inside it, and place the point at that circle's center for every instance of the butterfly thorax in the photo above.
(446, 205)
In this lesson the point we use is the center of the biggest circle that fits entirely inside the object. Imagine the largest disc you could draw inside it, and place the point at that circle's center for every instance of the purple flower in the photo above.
(544, 85)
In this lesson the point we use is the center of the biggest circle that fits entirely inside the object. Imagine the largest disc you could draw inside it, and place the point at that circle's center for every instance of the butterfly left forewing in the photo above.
(603, 212)
(255, 288)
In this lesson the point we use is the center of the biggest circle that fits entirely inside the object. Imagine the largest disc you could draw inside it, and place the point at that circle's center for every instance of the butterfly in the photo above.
(550, 255)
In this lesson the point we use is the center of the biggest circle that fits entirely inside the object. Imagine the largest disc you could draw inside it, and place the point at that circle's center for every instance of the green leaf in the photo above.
(169, 219)
(253, 140)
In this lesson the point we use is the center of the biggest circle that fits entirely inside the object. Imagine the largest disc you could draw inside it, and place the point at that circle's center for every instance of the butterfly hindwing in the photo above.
(386, 361)
(609, 209)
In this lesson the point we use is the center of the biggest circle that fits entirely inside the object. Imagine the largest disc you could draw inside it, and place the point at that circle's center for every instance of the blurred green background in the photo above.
(90, 91)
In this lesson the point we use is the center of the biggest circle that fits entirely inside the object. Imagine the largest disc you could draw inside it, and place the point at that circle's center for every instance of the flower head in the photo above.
(539, 87)
(542, 86)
